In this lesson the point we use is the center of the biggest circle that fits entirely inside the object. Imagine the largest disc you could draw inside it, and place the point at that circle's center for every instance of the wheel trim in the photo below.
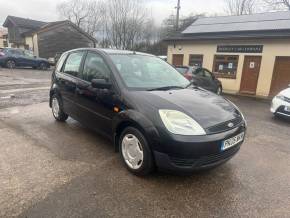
(42, 66)
(132, 151)
(55, 107)
(10, 64)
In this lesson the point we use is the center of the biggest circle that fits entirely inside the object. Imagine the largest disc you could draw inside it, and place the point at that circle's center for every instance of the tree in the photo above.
(278, 4)
(240, 7)
(126, 20)
(168, 25)
(86, 14)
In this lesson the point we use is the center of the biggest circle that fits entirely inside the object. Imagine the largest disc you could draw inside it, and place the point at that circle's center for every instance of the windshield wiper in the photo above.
(166, 88)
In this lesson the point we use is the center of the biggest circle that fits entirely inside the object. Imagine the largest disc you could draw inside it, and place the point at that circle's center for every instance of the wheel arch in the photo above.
(10, 59)
(137, 120)
(53, 90)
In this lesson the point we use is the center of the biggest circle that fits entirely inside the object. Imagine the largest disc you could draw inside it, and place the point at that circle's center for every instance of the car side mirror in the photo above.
(101, 84)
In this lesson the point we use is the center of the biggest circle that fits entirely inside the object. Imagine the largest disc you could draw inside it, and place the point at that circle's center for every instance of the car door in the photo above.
(209, 81)
(17, 56)
(198, 77)
(97, 104)
(67, 77)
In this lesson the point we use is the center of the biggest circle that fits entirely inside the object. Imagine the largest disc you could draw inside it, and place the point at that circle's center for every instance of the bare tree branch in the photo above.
(278, 4)
(240, 7)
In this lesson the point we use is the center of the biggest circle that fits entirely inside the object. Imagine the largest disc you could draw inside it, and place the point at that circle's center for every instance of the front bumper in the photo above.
(278, 107)
(183, 154)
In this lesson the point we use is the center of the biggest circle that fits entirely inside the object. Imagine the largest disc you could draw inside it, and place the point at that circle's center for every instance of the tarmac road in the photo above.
(51, 169)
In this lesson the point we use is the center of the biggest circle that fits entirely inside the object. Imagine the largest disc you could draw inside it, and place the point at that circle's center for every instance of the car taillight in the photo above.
(2, 54)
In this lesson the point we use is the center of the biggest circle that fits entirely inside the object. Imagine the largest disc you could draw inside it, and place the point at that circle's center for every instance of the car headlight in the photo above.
(281, 97)
(179, 123)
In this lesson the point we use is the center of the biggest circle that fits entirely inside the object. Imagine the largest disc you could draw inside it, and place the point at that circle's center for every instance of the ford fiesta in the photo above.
(155, 117)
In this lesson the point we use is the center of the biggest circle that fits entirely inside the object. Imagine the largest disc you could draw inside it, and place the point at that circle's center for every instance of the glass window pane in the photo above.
(195, 60)
(60, 62)
(226, 65)
(142, 72)
(73, 63)
(95, 68)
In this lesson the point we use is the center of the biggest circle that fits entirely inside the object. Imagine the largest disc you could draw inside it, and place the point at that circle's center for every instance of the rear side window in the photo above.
(16, 52)
(182, 70)
(60, 62)
(73, 64)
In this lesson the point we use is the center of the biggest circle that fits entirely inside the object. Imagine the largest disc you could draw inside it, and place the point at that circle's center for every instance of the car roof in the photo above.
(113, 51)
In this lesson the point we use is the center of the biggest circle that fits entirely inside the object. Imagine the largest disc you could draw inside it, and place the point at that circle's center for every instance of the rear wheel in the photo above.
(10, 64)
(135, 152)
(43, 66)
(57, 109)
(219, 90)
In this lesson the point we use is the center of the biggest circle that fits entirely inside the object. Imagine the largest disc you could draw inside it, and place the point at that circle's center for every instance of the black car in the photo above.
(153, 115)
(201, 77)
(14, 57)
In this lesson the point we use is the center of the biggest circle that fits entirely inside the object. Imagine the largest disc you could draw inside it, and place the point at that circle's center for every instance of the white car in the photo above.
(281, 103)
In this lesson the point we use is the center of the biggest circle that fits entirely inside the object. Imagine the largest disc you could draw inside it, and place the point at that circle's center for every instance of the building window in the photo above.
(225, 66)
(195, 60)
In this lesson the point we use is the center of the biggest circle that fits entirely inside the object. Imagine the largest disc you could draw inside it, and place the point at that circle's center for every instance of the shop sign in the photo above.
(240, 48)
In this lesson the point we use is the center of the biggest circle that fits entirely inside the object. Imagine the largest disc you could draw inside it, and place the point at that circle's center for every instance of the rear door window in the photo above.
(73, 64)
(60, 63)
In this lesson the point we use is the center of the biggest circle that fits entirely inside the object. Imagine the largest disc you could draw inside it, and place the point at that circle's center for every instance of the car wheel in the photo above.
(10, 64)
(219, 90)
(57, 110)
(43, 66)
(135, 152)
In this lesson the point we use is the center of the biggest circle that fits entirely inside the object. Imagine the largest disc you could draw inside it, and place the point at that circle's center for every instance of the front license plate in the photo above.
(287, 109)
(232, 141)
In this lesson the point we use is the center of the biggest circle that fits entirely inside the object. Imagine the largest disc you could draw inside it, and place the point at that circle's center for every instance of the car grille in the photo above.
(205, 160)
(281, 110)
(224, 126)
(287, 99)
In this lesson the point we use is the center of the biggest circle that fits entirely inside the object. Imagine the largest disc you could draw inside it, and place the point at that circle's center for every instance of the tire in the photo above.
(42, 66)
(219, 90)
(140, 168)
(10, 64)
(57, 109)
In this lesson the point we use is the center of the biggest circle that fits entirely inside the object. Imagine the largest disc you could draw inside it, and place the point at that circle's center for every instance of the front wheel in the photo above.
(135, 152)
(57, 110)
(43, 66)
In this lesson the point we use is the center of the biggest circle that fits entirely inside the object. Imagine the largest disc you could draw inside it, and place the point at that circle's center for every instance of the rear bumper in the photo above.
(185, 155)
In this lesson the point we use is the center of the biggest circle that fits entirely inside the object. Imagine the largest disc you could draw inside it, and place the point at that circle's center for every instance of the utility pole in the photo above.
(177, 14)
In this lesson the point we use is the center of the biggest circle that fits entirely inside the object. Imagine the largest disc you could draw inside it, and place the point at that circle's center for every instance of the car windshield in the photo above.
(142, 72)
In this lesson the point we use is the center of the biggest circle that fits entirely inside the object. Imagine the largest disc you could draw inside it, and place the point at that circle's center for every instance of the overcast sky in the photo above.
(45, 10)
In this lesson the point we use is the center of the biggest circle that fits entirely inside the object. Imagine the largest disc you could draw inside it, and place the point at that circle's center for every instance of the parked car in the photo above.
(163, 57)
(53, 60)
(281, 103)
(153, 115)
(14, 57)
(201, 77)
